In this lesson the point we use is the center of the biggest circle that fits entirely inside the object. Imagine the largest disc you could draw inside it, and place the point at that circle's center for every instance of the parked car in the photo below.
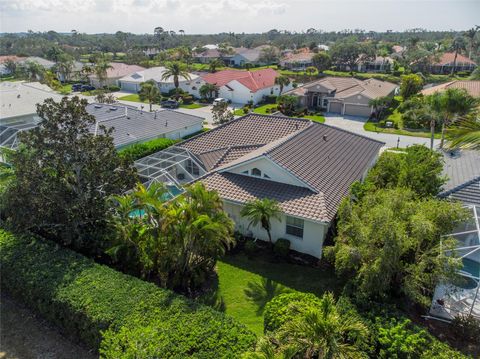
(220, 100)
(76, 87)
(169, 104)
(84, 88)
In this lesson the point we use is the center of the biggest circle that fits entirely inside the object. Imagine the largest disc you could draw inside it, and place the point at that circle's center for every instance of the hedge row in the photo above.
(90, 300)
(140, 150)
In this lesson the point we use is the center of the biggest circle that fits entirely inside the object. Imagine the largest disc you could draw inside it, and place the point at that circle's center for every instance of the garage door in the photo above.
(357, 110)
(129, 87)
(336, 107)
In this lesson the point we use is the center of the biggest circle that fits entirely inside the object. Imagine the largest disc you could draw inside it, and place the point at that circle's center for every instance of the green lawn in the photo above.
(241, 279)
(315, 118)
(132, 97)
(265, 110)
(65, 89)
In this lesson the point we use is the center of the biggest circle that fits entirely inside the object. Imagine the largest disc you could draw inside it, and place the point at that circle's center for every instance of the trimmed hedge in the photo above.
(140, 150)
(138, 318)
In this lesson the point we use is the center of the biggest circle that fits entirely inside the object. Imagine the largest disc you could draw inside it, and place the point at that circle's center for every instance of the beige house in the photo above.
(472, 87)
(306, 167)
(116, 71)
(343, 95)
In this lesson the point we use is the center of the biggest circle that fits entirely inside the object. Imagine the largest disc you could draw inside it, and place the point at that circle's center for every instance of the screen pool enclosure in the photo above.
(462, 298)
(10, 128)
(174, 167)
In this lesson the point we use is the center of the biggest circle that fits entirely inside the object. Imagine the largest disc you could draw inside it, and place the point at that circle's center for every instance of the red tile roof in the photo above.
(448, 57)
(11, 57)
(253, 80)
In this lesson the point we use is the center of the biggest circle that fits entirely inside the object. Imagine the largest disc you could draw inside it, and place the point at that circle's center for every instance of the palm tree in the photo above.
(214, 64)
(379, 104)
(465, 134)
(310, 70)
(282, 81)
(261, 211)
(100, 70)
(10, 66)
(34, 71)
(149, 92)
(323, 333)
(470, 34)
(458, 44)
(175, 70)
(65, 66)
(208, 90)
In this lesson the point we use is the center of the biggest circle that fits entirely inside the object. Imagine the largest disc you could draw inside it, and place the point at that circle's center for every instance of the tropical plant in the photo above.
(287, 104)
(310, 70)
(149, 92)
(322, 61)
(321, 332)
(64, 66)
(221, 113)
(282, 81)
(10, 66)
(350, 52)
(208, 91)
(458, 45)
(410, 85)
(269, 55)
(465, 133)
(262, 211)
(380, 104)
(100, 70)
(470, 35)
(34, 71)
(215, 64)
(175, 70)
(64, 174)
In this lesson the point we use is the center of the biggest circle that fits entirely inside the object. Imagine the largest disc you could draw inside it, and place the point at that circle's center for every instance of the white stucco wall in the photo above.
(313, 232)
(275, 172)
(240, 94)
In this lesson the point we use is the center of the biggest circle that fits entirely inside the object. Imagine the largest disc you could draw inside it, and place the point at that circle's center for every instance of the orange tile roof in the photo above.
(14, 58)
(448, 57)
(253, 80)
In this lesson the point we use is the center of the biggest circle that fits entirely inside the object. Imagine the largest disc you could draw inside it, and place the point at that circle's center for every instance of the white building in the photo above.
(305, 166)
(131, 83)
(240, 86)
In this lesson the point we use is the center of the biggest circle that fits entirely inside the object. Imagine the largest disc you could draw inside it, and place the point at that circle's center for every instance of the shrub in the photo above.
(281, 247)
(270, 99)
(250, 248)
(397, 339)
(140, 150)
(86, 299)
(285, 307)
(113, 88)
(467, 328)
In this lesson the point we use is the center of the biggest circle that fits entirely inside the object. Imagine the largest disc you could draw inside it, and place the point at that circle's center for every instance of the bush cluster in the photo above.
(281, 247)
(138, 319)
(140, 150)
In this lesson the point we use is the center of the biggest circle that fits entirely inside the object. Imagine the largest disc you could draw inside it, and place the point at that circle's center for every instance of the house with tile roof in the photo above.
(131, 82)
(343, 95)
(241, 86)
(307, 167)
(444, 64)
(298, 60)
(472, 87)
(6, 58)
(115, 73)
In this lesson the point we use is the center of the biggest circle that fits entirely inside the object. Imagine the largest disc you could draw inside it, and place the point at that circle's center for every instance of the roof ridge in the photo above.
(350, 132)
(460, 186)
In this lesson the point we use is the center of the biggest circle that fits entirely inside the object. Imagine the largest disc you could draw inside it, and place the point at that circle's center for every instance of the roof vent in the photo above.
(324, 137)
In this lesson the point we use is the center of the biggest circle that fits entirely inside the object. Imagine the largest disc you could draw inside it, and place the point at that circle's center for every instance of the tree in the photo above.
(100, 70)
(54, 53)
(65, 66)
(149, 92)
(221, 113)
(322, 332)
(64, 174)
(34, 71)
(310, 70)
(465, 134)
(470, 34)
(379, 105)
(215, 64)
(262, 211)
(269, 55)
(176, 243)
(449, 105)
(175, 70)
(410, 85)
(208, 91)
(391, 244)
(282, 81)
(349, 53)
(322, 61)
(103, 97)
(458, 45)
(287, 104)
(10, 66)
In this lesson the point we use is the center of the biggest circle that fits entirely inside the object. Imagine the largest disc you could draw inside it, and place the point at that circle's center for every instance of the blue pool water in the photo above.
(173, 192)
(472, 268)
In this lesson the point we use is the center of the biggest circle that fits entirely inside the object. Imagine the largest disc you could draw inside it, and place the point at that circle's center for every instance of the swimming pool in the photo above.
(173, 191)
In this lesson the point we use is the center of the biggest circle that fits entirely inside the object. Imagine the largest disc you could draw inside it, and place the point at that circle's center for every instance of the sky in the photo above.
(213, 16)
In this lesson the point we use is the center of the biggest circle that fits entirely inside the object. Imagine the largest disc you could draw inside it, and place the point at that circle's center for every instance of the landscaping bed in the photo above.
(269, 109)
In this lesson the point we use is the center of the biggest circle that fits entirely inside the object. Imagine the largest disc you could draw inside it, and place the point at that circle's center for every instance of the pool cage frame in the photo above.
(174, 167)
(9, 132)
(453, 299)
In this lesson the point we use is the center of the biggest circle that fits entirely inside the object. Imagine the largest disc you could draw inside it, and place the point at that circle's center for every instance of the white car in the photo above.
(220, 100)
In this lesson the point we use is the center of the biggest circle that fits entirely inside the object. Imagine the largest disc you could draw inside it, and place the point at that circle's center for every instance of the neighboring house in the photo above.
(243, 56)
(151, 52)
(130, 125)
(397, 49)
(115, 73)
(241, 86)
(472, 87)
(462, 169)
(343, 95)
(4, 59)
(76, 73)
(322, 47)
(444, 64)
(131, 83)
(379, 64)
(305, 166)
(297, 61)
(46, 64)
(209, 55)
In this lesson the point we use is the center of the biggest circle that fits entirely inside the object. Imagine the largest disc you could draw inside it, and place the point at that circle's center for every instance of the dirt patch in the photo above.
(25, 335)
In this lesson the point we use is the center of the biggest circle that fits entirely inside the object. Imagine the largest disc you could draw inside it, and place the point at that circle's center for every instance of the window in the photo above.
(294, 227)
(192, 168)
(325, 102)
(256, 172)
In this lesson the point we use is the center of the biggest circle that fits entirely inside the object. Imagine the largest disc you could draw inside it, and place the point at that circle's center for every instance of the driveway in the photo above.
(355, 124)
